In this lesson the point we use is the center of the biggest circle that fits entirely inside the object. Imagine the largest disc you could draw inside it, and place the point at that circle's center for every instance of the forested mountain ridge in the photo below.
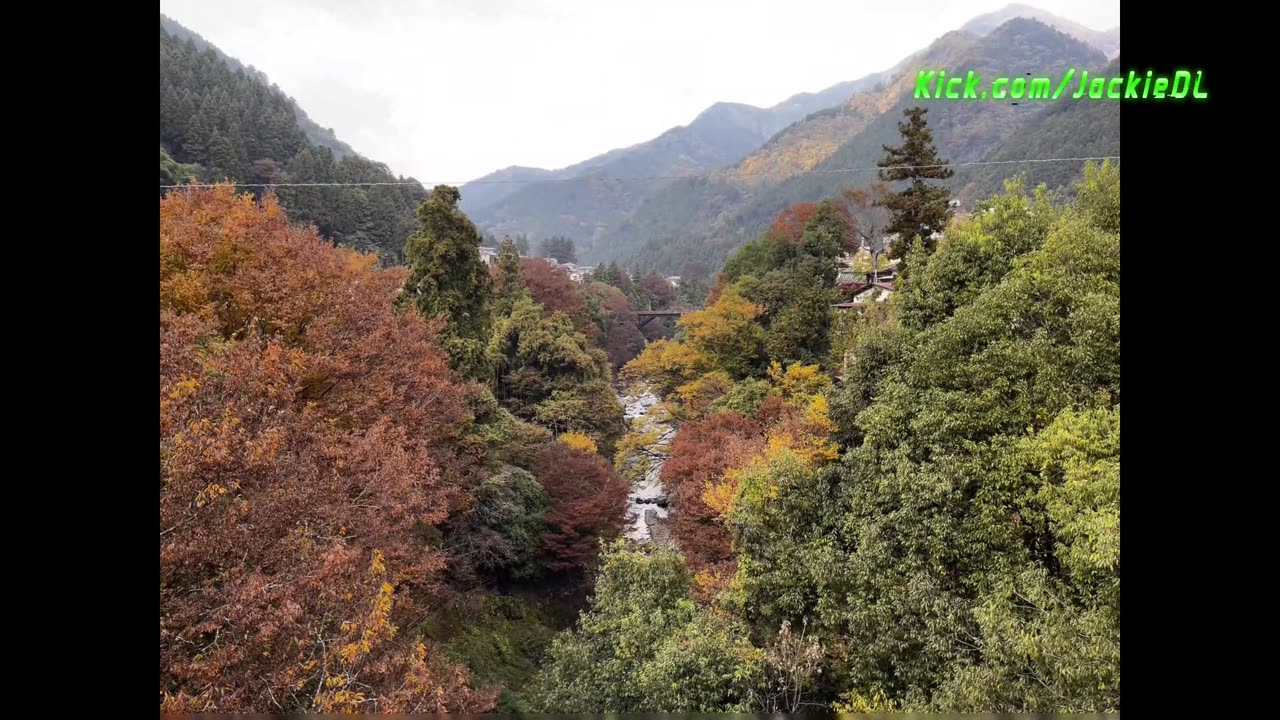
(586, 200)
(688, 148)
(321, 136)
(221, 120)
(703, 219)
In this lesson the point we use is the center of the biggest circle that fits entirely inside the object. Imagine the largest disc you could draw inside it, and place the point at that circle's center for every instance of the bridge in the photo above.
(644, 316)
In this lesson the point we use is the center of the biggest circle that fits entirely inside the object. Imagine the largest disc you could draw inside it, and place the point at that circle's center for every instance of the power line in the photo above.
(651, 177)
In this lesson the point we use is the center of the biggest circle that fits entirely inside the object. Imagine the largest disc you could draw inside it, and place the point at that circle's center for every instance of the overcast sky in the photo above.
(448, 90)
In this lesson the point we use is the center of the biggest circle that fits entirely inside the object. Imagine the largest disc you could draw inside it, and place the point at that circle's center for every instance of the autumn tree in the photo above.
(919, 210)
(588, 500)
(654, 292)
(619, 333)
(667, 364)
(702, 451)
(309, 436)
(791, 224)
(552, 288)
(448, 279)
(726, 334)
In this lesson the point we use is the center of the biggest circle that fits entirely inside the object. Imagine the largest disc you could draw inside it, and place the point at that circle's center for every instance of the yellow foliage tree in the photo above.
(721, 495)
(345, 658)
(798, 382)
(727, 333)
(667, 364)
(579, 441)
(816, 447)
(697, 395)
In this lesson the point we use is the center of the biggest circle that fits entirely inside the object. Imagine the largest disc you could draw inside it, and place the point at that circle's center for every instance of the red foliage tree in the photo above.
(694, 271)
(553, 289)
(308, 435)
(588, 502)
(775, 411)
(701, 452)
(790, 223)
(619, 334)
(656, 292)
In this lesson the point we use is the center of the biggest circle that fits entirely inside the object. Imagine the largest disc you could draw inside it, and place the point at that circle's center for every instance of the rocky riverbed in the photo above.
(648, 510)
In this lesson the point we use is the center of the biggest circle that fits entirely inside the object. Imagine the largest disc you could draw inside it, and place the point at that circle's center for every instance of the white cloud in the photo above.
(448, 91)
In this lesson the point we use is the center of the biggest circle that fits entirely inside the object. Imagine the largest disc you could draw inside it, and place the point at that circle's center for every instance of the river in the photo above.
(648, 513)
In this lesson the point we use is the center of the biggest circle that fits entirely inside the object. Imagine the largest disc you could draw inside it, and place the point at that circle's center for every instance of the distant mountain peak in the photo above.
(1107, 41)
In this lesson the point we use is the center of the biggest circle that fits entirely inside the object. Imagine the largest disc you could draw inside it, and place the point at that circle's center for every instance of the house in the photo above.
(579, 273)
(488, 255)
(674, 280)
(885, 274)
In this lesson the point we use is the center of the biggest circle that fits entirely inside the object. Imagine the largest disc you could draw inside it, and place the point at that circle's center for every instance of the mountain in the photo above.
(751, 163)
(803, 145)
(496, 185)
(585, 200)
(220, 119)
(1106, 41)
(703, 219)
(1067, 128)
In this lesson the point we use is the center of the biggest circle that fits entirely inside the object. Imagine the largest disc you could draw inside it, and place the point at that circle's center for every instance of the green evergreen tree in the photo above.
(920, 209)
(448, 278)
(559, 248)
(508, 286)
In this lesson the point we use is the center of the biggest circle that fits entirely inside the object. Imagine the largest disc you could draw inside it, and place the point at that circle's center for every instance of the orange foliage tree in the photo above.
(790, 223)
(310, 439)
(701, 453)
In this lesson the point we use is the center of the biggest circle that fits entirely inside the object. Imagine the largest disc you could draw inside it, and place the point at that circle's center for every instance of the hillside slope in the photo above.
(222, 120)
(1066, 128)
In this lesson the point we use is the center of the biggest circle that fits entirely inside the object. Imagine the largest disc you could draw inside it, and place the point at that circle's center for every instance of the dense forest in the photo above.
(222, 121)
(405, 489)
(915, 508)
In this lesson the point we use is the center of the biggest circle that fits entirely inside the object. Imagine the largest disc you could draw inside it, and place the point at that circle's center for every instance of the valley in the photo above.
(811, 407)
